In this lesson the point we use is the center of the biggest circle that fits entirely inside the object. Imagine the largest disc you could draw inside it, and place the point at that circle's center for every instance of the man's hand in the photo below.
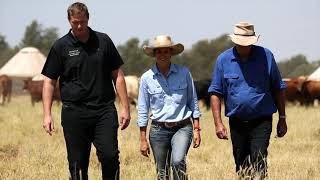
(124, 119)
(144, 148)
(221, 131)
(48, 124)
(196, 138)
(281, 127)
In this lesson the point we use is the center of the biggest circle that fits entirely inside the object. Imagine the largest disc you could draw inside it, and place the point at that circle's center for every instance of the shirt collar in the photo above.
(173, 69)
(235, 55)
(76, 41)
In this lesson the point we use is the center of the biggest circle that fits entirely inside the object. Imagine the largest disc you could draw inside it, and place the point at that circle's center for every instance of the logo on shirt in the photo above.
(74, 52)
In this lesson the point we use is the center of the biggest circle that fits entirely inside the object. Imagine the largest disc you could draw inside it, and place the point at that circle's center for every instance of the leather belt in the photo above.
(173, 124)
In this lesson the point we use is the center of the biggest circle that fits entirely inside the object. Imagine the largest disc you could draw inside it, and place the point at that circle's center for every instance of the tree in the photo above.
(49, 36)
(136, 62)
(201, 58)
(38, 37)
(5, 51)
(3, 44)
(297, 65)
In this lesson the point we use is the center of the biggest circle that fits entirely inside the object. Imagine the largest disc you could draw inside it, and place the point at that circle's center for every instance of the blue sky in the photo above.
(287, 27)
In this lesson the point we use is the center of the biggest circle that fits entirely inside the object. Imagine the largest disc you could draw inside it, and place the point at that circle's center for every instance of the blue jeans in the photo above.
(170, 147)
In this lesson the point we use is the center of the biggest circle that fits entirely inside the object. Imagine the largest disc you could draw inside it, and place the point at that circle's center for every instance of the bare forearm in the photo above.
(196, 123)
(280, 103)
(121, 88)
(47, 92)
(216, 109)
(143, 133)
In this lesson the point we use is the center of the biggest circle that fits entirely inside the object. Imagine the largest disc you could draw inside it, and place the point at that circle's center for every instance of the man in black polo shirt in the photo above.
(87, 64)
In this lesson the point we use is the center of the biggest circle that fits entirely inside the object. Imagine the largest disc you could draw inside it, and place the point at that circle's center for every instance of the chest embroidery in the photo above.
(74, 53)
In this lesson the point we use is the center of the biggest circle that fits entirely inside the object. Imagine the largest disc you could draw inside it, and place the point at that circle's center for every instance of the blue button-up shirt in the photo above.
(247, 87)
(169, 99)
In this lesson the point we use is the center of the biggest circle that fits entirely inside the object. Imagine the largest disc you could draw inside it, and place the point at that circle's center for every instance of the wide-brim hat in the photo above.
(243, 34)
(163, 41)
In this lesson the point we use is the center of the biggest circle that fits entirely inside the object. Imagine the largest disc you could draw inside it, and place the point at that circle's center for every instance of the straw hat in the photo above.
(162, 41)
(243, 34)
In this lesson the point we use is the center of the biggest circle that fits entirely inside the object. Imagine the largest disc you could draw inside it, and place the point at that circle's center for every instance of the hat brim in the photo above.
(243, 40)
(176, 49)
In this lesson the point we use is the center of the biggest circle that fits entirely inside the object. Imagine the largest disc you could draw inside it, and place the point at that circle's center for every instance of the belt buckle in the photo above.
(170, 124)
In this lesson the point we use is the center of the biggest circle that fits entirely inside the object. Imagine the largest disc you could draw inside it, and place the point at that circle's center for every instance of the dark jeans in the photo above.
(82, 126)
(170, 147)
(250, 141)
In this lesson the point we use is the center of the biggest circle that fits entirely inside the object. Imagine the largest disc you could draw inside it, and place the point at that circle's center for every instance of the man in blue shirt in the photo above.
(247, 78)
(167, 91)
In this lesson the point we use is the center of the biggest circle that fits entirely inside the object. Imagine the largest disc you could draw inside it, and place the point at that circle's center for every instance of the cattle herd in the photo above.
(299, 90)
(302, 91)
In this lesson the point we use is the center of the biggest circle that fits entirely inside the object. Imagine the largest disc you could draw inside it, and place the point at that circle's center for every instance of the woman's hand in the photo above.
(196, 138)
(144, 148)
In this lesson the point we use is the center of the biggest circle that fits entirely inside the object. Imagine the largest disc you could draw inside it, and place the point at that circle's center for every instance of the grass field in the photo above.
(28, 153)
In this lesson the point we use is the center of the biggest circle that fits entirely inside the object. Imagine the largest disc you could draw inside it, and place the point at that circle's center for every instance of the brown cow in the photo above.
(6, 89)
(35, 90)
(293, 92)
(311, 91)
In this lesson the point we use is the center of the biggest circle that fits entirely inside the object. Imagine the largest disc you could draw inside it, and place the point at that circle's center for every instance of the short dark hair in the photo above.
(76, 8)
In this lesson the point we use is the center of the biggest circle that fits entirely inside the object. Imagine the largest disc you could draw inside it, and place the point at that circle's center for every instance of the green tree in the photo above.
(136, 62)
(3, 43)
(38, 37)
(297, 65)
(5, 51)
(201, 58)
(49, 36)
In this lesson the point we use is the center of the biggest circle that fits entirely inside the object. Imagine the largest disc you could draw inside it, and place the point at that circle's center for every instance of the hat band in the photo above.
(245, 34)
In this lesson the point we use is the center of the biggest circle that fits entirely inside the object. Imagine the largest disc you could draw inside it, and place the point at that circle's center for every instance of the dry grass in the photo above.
(26, 152)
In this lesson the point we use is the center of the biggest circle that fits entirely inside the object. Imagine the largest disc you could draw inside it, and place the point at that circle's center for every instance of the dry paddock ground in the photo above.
(26, 152)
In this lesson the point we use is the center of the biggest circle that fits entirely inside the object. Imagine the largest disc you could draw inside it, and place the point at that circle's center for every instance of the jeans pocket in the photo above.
(154, 130)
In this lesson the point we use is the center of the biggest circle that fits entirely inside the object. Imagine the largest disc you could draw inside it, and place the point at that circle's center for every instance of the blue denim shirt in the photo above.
(247, 87)
(169, 99)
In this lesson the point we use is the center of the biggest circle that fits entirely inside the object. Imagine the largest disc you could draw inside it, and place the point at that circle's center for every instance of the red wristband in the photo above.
(197, 128)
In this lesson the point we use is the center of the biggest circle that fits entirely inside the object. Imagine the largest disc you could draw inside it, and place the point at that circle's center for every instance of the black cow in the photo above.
(202, 91)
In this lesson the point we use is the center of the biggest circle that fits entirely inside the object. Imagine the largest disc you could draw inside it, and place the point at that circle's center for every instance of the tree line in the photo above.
(200, 58)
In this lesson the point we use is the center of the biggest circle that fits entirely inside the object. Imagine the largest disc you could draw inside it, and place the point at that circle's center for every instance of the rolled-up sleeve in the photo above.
(192, 100)
(276, 81)
(216, 85)
(143, 104)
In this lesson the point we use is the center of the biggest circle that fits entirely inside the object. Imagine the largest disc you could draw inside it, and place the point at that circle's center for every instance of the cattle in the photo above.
(311, 91)
(201, 87)
(293, 92)
(5, 89)
(132, 83)
(35, 90)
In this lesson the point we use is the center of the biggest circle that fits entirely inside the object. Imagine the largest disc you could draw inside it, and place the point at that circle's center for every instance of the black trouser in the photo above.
(83, 125)
(250, 141)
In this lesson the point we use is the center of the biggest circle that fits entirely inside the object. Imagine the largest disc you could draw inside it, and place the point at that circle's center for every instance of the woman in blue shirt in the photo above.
(167, 91)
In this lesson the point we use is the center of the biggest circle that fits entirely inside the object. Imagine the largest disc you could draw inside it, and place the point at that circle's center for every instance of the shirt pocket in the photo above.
(156, 97)
(179, 91)
(232, 82)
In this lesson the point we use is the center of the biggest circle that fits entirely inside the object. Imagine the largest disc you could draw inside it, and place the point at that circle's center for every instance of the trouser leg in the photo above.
(106, 142)
(180, 144)
(259, 142)
(160, 141)
(77, 136)
(240, 144)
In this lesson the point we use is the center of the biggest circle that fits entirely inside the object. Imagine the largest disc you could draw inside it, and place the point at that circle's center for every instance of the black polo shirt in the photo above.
(84, 69)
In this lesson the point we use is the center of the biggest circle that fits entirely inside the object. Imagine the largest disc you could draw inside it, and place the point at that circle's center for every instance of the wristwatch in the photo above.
(282, 116)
